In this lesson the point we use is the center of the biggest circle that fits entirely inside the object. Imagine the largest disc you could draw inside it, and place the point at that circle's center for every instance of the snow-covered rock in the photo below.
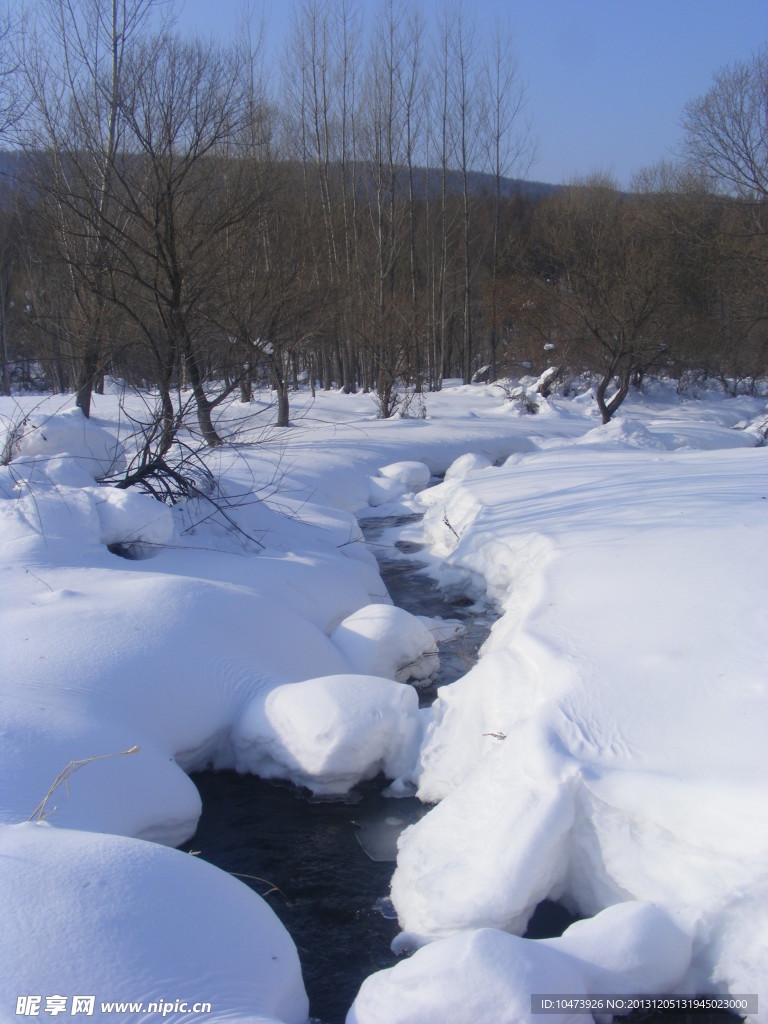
(381, 640)
(330, 733)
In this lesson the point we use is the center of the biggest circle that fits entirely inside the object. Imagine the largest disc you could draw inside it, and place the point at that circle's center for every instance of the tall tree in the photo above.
(75, 61)
(466, 100)
(178, 196)
(605, 258)
(509, 149)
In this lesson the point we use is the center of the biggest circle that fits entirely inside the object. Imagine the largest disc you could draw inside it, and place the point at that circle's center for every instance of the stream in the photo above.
(324, 866)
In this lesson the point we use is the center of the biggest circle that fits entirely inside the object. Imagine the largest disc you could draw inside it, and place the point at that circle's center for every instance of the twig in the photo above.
(39, 578)
(445, 520)
(66, 773)
(272, 887)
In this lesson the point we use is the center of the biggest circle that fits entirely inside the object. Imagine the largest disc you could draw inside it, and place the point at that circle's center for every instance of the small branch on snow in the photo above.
(445, 521)
(64, 776)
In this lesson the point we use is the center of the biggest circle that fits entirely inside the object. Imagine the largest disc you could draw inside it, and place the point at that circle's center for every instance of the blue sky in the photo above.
(606, 79)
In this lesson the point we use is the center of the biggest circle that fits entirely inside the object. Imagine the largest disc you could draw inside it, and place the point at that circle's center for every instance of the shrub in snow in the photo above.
(330, 733)
(528, 390)
(381, 640)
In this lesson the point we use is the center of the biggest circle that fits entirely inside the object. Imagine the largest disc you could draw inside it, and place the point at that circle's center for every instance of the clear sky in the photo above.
(606, 80)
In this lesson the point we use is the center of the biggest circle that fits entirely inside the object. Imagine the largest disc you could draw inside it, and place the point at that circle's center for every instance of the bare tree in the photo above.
(11, 78)
(466, 99)
(727, 129)
(177, 197)
(510, 149)
(726, 142)
(610, 282)
(74, 60)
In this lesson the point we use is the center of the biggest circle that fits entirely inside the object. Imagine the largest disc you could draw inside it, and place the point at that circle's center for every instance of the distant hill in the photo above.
(480, 184)
(13, 163)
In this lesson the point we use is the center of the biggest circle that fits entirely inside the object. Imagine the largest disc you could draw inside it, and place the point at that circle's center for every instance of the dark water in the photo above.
(411, 587)
(307, 857)
(312, 871)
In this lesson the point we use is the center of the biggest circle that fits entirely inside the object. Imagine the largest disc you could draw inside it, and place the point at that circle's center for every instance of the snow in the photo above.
(88, 446)
(328, 734)
(386, 641)
(487, 975)
(606, 750)
(123, 920)
(466, 464)
(397, 479)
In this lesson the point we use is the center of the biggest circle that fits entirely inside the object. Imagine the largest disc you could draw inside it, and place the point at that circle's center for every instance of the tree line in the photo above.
(187, 217)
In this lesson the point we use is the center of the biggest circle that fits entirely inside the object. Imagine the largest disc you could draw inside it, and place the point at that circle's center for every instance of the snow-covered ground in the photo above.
(606, 750)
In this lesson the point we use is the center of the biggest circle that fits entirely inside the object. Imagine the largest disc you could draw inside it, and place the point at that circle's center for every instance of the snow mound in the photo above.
(625, 432)
(483, 975)
(69, 432)
(330, 733)
(413, 476)
(396, 480)
(628, 948)
(381, 640)
(121, 919)
(489, 975)
(465, 464)
(131, 518)
(517, 858)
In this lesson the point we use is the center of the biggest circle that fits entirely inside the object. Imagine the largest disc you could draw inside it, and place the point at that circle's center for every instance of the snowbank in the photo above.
(616, 714)
(489, 975)
(122, 920)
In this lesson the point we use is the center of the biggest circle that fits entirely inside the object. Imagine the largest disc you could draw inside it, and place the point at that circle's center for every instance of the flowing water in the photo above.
(325, 866)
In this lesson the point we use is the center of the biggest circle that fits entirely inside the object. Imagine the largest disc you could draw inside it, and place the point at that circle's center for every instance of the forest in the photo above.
(200, 220)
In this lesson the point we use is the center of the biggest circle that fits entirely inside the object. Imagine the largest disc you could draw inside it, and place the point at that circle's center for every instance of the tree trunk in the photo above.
(281, 387)
(607, 409)
(204, 407)
(86, 376)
